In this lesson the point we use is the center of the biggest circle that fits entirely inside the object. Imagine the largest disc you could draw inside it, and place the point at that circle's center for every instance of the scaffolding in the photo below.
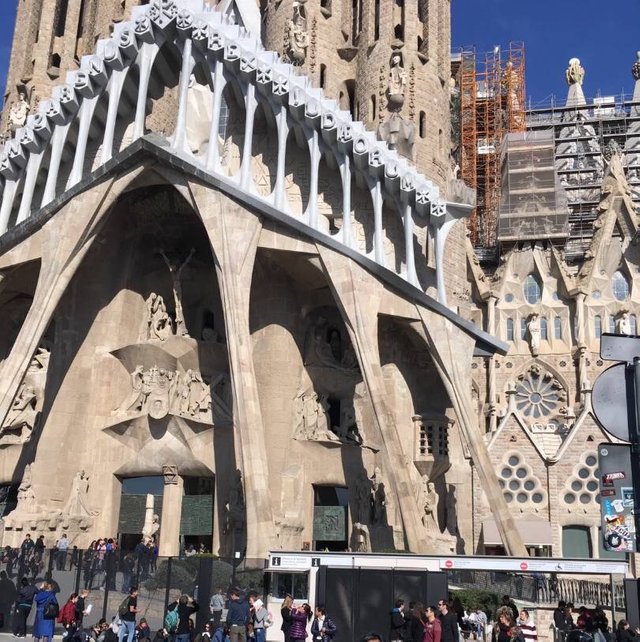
(492, 104)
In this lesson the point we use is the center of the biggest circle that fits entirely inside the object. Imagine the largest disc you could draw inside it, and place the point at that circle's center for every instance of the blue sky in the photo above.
(604, 35)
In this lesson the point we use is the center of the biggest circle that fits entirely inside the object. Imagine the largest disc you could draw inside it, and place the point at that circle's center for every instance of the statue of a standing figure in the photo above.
(379, 498)
(176, 275)
(26, 496)
(623, 323)
(297, 36)
(77, 504)
(533, 327)
(429, 503)
(397, 81)
(19, 112)
(575, 72)
(363, 498)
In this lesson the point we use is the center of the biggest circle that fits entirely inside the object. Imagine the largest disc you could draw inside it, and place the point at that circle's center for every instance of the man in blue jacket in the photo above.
(237, 617)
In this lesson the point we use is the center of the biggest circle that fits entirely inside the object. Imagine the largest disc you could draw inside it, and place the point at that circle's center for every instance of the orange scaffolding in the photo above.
(492, 104)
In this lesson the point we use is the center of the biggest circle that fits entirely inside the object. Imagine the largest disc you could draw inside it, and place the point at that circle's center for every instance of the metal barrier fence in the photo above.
(107, 577)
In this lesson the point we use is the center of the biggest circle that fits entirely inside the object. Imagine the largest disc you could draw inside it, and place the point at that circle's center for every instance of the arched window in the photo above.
(557, 328)
(510, 330)
(634, 324)
(532, 290)
(620, 286)
(576, 541)
(376, 24)
(612, 324)
(544, 329)
(597, 326)
(423, 125)
(523, 329)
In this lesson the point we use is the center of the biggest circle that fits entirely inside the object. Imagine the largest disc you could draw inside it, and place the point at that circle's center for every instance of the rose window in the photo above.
(539, 394)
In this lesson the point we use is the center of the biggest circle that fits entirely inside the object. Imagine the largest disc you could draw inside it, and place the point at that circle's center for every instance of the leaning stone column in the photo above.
(358, 294)
(171, 512)
(233, 233)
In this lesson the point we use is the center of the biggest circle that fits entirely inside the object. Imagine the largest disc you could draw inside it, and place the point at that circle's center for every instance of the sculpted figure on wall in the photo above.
(364, 489)
(623, 323)
(325, 346)
(533, 328)
(19, 112)
(21, 417)
(397, 84)
(175, 270)
(158, 325)
(297, 36)
(360, 539)
(311, 420)
(379, 498)
(575, 72)
(429, 502)
(235, 506)
(635, 70)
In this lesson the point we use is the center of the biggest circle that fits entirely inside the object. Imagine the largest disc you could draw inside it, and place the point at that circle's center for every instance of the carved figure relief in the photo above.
(364, 488)
(360, 539)
(397, 84)
(311, 418)
(77, 505)
(379, 501)
(19, 112)
(158, 325)
(623, 323)
(325, 346)
(429, 503)
(159, 392)
(398, 133)
(175, 270)
(533, 330)
(296, 34)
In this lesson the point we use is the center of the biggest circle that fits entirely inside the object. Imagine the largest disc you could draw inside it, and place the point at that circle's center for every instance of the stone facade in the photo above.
(213, 275)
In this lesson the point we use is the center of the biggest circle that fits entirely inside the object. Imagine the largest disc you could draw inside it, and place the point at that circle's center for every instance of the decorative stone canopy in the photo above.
(232, 55)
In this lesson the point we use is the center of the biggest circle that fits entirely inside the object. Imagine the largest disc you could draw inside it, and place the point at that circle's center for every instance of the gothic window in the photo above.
(544, 330)
(523, 329)
(532, 290)
(61, 17)
(431, 438)
(620, 286)
(582, 487)
(597, 326)
(398, 18)
(557, 328)
(510, 336)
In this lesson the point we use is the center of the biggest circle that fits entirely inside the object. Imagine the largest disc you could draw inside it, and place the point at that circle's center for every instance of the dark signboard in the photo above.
(329, 523)
(616, 497)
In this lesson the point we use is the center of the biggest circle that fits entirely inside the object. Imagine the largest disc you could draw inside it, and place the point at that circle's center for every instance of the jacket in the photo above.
(67, 615)
(286, 620)
(238, 613)
(449, 624)
(329, 630)
(298, 630)
(398, 624)
(26, 595)
(432, 631)
(184, 613)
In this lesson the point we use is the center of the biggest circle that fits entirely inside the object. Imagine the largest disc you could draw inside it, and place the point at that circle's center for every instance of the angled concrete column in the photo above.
(233, 233)
(358, 294)
(452, 352)
(65, 241)
(172, 494)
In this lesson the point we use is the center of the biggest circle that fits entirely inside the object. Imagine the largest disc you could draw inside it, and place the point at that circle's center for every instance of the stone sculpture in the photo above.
(235, 506)
(311, 420)
(151, 520)
(378, 498)
(157, 326)
(360, 538)
(40, 360)
(429, 502)
(451, 513)
(325, 346)
(297, 36)
(363, 498)
(623, 323)
(575, 72)
(635, 70)
(77, 506)
(398, 133)
(397, 84)
(175, 270)
(27, 503)
(533, 328)
(19, 112)
(21, 418)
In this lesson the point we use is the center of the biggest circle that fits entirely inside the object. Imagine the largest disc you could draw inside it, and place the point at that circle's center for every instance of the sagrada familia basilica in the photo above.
(235, 276)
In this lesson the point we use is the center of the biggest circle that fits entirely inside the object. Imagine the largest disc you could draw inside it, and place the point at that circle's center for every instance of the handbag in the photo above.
(51, 610)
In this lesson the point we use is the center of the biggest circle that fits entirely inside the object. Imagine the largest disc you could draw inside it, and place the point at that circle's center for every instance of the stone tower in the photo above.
(50, 38)
(387, 61)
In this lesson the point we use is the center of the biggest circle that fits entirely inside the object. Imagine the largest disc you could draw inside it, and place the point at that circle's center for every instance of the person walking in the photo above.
(216, 606)
(62, 546)
(528, 628)
(46, 613)
(299, 618)
(448, 622)
(127, 613)
(322, 628)
(24, 602)
(67, 617)
(186, 606)
(398, 622)
(285, 613)
(433, 628)
(237, 617)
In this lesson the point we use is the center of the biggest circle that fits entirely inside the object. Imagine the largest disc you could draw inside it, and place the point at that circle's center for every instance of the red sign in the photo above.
(449, 563)
(523, 566)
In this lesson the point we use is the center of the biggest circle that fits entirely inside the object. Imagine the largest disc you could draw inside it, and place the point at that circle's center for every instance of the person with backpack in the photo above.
(127, 612)
(176, 621)
(47, 610)
(322, 628)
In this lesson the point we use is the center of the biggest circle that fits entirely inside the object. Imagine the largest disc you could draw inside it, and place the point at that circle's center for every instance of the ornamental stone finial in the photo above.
(575, 72)
(635, 70)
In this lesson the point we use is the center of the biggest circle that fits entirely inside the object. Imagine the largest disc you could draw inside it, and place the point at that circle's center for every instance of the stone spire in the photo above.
(574, 75)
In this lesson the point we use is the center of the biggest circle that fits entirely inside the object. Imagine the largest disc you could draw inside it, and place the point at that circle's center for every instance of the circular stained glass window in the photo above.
(522, 497)
(508, 298)
(590, 460)
(506, 472)
(521, 473)
(514, 485)
(583, 473)
(529, 485)
(585, 499)
(514, 460)
(576, 485)
(537, 498)
(569, 498)
(592, 486)
(508, 497)
(501, 482)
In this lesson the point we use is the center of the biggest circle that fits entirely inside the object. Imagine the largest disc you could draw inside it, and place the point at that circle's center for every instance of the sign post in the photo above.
(616, 404)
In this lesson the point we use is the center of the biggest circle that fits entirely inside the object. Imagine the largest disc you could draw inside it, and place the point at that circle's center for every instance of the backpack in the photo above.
(123, 609)
(171, 620)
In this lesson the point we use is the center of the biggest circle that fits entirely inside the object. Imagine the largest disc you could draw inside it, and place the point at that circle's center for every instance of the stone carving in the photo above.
(158, 325)
(635, 70)
(623, 323)
(360, 539)
(175, 270)
(170, 474)
(151, 520)
(19, 112)
(158, 392)
(363, 498)
(235, 506)
(397, 84)
(533, 330)
(538, 394)
(311, 419)
(27, 503)
(429, 503)
(325, 347)
(77, 506)
(575, 72)
(348, 428)
(398, 133)
(296, 34)
(21, 417)
(40, 360)
(379, 501)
